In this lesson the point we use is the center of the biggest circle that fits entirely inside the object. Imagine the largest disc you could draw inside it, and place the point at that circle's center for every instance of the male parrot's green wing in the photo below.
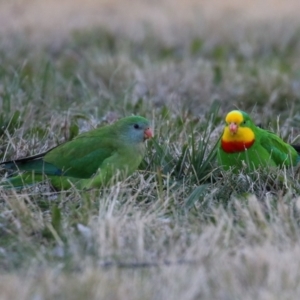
(281, 153)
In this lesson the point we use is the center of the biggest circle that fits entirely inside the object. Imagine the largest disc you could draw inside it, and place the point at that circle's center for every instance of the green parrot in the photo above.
(243, 144)
(91, 160)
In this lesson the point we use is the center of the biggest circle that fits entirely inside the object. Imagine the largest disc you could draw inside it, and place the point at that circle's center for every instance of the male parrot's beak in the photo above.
(233, 128)
(148, 133)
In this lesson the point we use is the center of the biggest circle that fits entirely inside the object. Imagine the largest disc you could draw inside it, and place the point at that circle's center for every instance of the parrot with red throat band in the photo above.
(90, 160)
(244, 144)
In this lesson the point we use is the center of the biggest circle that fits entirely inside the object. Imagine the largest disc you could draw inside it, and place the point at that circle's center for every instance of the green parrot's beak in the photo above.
(148, 133)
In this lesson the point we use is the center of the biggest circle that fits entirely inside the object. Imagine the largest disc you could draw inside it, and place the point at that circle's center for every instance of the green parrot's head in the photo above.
(134, 129)
(238, 134)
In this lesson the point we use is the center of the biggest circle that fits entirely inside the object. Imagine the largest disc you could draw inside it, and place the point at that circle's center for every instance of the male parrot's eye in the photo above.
(136, 126)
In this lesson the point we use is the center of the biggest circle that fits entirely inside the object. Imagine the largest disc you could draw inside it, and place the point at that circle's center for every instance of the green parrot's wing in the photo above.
(281, 152)
(122, 163)
(83, 156)
(79, 158)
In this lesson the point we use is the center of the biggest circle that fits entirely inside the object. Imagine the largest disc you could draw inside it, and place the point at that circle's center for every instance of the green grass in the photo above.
(179, 228)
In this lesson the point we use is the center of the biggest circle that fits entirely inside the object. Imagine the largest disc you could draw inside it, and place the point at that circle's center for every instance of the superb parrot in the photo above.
(90, 160)
(243, 144)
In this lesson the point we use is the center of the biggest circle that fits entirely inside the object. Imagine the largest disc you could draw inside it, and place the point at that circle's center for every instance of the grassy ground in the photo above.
(179, 228)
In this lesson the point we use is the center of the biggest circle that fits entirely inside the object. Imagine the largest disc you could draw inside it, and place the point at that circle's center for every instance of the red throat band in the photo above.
(236, 146)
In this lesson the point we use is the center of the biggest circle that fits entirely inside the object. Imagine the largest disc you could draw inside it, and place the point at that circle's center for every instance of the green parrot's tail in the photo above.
(31, 164)
(27, 180)
(21, 181)
(35, 170)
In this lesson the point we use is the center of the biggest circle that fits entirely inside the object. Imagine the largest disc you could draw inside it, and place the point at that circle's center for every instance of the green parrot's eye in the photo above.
(136, 126)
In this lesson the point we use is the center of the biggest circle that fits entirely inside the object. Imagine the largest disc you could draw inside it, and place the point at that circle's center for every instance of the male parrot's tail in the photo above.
(297, 148)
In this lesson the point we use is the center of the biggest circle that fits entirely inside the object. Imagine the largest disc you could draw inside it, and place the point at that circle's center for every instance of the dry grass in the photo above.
(179, 228)
(53, 20)
(125, 253)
